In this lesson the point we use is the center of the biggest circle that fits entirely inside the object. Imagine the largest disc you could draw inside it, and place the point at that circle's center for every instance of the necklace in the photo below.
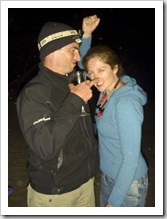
(103, 101)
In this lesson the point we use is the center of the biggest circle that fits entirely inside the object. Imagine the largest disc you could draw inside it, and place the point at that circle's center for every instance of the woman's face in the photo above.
(106, 76)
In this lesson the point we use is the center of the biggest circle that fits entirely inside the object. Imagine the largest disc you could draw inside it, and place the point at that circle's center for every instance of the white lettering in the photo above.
(40, 120)
(56, 36)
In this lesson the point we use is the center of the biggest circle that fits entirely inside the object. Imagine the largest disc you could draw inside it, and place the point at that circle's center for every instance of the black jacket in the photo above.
(63, 152)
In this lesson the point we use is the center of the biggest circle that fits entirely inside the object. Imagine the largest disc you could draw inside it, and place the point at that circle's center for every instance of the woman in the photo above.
(119, 118)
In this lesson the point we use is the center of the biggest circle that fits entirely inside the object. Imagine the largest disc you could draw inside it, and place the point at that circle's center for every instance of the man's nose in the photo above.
(77, 56)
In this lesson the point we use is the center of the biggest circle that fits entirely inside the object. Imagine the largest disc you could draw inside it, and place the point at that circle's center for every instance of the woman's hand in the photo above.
(89, 25)
(108, 205)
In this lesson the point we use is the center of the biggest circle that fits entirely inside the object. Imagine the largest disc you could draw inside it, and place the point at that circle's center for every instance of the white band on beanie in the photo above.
(55, 36)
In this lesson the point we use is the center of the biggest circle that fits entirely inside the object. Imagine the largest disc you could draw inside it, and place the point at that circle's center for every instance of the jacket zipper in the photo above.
(87, 137)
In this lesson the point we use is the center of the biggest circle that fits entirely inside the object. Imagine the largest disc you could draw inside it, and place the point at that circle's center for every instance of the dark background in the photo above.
(129, 31)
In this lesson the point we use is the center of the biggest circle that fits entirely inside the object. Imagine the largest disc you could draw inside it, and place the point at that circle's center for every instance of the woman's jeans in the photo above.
(136, 196)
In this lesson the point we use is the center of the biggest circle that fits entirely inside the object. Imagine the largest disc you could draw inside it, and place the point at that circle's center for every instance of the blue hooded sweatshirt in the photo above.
(119, 132)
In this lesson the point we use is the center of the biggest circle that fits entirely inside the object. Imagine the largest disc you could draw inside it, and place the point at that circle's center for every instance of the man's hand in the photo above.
(83, 90)
(89, 25)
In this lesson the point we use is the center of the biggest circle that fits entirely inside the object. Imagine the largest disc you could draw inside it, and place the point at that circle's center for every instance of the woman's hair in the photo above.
(106, 54)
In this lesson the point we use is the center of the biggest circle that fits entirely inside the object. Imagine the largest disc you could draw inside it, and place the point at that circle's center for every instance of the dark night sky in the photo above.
(131, 32)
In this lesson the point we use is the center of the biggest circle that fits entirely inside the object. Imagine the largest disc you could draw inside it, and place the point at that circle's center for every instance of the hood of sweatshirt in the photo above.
(132, 87)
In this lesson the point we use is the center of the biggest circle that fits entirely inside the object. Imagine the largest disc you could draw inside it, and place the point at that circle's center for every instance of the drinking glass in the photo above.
(76, 78)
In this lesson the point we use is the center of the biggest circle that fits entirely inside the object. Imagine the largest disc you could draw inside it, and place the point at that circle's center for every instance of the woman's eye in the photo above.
(101, 70)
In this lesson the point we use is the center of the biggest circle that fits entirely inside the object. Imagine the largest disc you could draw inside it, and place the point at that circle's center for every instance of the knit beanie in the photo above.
(55, 35)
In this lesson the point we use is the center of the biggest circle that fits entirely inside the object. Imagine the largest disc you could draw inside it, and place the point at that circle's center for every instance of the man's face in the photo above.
(65, 59)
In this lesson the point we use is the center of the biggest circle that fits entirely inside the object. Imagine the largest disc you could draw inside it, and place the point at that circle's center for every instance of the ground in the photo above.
(17, 158)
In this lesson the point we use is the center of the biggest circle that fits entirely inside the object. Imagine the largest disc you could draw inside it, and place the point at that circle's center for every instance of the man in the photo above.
(63, 154)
